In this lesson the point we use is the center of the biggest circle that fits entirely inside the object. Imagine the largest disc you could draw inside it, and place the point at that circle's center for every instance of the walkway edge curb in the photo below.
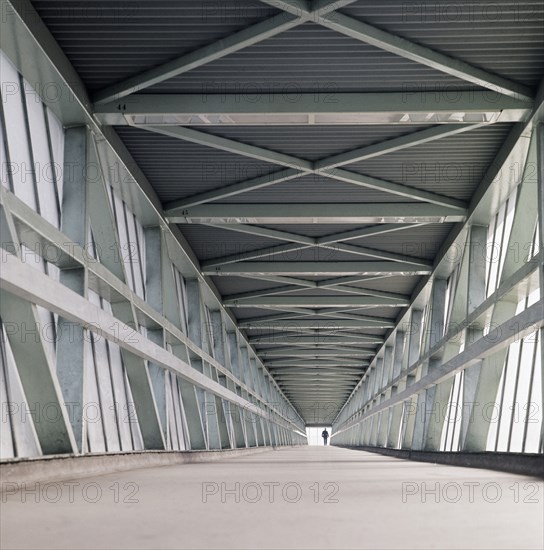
(513, 463)
(70, 466)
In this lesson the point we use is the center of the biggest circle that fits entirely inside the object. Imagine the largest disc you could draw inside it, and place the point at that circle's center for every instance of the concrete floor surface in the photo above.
(302, 497)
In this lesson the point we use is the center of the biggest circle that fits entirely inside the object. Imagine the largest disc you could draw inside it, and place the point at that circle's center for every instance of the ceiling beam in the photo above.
(348, 301)
(316, 353)
(289, 339)
(401, 190)
(265, 232)
(294, 381)
(317, 371)
(302, 283)
(329, 376)
(316, 268)
(393, 145)
(410, 101)
(371, 231)
(329, 242)
(302, 165)
(278, 213)
(283, 249)
(423, 55)
(235, 189)
(328, 326)
(289, 289)
(231, 146)
(235, 42)
(302, 362)
(287, 249)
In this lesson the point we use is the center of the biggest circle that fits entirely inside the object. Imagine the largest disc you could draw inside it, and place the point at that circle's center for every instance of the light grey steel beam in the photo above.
(394, 188)
(310, 362)
(283, 249)
(316, 352)
(316, 268)
(290, 248)
(372, 231)
(316, 371)
(317, 301)
(289, 339)
(356, 213)
(265, 232)
(375, 253)
(279, 279)
(328, 242)
(316, 379)
(231, 146)
(305, 349)
(368, 292)
(331, 384)
(393, 145)
(329, 377)
(308, 399)
(322, 324)
(324, 390)
(252, 184)
(325, 386)
(304, 166)
(287, 289)
(410, 101)
(424, 55)
(233, 43)
(71, 341)
(290, 289)
(295, 381)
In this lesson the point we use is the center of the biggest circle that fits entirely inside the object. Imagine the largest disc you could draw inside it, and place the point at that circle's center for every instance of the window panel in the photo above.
(6, 182)
(509, 219)
(534, 415)
(45, 185)
(134, 423)
(92, 413)
(22, 440)
(17, 136)
(56, 137)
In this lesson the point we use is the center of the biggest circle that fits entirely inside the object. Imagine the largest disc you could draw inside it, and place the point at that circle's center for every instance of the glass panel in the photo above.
(534, 415)
(508, 228)
(45, 184)
(21, 440)
(92, 414)
(19, 150)
(4, 176)
(56, 136)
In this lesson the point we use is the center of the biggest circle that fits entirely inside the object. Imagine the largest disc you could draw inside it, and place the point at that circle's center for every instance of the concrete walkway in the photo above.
(303, 497)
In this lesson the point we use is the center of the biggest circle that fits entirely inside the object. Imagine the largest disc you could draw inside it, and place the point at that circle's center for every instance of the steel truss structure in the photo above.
(321, 315)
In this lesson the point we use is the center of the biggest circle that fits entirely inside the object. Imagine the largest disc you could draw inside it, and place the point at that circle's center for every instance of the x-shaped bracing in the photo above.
(326, 14)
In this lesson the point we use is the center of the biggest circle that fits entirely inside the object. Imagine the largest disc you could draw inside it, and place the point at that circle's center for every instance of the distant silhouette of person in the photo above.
(325, 436)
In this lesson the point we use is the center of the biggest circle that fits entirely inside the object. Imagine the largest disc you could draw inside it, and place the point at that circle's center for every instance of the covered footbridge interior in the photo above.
(224, 223)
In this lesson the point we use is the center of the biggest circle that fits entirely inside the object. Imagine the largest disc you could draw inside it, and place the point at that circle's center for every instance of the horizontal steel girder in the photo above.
(363, 213)
(212, 103)
(317, 301)
(317, 268)
(303, 340)
(328, 326)
(317, 353)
